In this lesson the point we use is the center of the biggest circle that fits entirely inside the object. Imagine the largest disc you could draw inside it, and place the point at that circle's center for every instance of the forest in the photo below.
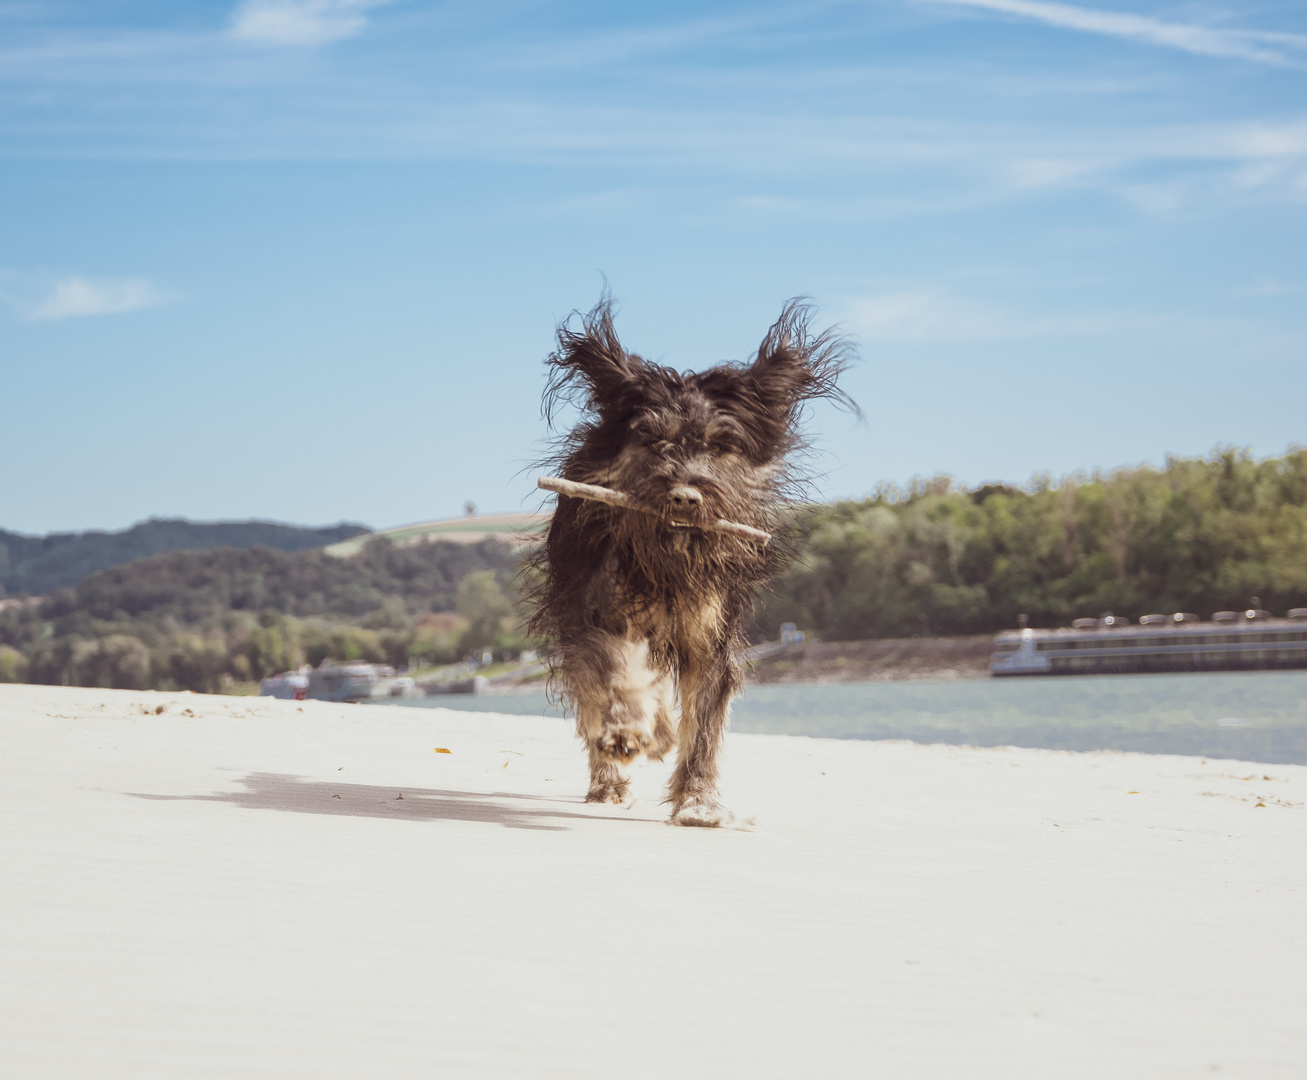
(929, 558)
(1197, 535)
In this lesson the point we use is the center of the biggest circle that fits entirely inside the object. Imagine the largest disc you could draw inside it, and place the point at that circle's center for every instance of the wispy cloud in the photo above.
(925, 316)
(76, 297)
(924, 139)
(1259, 46)
(627, 43)
(921, 317)
(1269, 286)
(300, 23)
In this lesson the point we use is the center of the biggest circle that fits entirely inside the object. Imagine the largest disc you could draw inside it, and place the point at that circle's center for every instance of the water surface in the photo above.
(1256, 716)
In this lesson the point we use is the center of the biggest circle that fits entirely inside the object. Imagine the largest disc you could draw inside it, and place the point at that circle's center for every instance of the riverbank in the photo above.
(876, 661)
(885, 660)
(1240, 715)
(208, 886)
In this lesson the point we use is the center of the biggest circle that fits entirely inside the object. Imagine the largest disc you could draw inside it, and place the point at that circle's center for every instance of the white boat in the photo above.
(289, 685)
(1232, 641)
(353, 680)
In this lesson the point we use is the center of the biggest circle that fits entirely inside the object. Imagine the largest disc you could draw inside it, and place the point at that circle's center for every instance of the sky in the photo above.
(302, 260)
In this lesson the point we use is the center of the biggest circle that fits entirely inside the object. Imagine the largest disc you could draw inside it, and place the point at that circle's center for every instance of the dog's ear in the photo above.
(793, 365)
(780, 370)
(590, 363)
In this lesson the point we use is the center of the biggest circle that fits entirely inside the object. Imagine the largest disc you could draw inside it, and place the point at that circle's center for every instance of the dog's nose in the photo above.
(685, 499)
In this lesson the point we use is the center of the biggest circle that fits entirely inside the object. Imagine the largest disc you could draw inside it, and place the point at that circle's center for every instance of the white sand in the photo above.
(233, 888)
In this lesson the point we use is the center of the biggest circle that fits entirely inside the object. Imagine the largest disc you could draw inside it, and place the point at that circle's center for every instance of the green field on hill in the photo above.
(516, 528)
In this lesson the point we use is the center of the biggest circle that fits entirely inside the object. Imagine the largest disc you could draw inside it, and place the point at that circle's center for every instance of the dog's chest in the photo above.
(678, 626)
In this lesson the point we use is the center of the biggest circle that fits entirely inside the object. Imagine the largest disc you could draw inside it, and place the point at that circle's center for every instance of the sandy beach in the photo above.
(216, 887)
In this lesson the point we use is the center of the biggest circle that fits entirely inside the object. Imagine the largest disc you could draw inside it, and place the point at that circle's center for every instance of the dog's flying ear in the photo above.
(590, 368)
(793, 365)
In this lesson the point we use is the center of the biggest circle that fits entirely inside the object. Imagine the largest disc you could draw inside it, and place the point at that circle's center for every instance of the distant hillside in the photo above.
(200, 620)
(192, 588)
(40, 564)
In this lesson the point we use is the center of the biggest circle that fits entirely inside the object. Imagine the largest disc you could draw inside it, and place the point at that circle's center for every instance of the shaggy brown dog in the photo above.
(646, 608)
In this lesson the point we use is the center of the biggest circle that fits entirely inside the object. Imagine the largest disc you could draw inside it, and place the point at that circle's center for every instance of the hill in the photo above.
(36, 565)
(200, 620)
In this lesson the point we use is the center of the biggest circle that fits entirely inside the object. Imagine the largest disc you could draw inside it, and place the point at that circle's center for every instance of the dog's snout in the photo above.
(685, 499)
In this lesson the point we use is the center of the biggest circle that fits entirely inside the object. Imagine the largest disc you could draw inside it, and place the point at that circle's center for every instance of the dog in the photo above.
(645, 605)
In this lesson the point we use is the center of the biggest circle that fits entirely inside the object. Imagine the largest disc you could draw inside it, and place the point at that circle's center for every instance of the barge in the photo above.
(1251, 640)
(353, 680)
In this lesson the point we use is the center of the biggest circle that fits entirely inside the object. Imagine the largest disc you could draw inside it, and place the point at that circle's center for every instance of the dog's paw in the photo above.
(704, 815)
(608, 793)
(624, 742)
(662, 743)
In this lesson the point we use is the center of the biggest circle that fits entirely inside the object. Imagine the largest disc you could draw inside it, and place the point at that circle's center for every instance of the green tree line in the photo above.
(1199, 535)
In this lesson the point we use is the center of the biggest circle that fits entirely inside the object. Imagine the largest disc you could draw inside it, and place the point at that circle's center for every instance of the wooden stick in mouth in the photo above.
(620, 498)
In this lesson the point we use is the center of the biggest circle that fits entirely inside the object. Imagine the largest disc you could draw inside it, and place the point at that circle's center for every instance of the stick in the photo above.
(620, 498)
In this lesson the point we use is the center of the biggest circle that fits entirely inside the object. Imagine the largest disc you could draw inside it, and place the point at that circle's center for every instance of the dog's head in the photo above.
(694, 447)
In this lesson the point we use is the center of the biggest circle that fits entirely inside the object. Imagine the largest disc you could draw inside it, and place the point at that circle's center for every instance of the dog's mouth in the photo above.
(684, 525)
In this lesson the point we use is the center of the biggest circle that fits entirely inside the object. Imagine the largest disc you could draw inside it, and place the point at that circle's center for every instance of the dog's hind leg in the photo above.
(705, 704)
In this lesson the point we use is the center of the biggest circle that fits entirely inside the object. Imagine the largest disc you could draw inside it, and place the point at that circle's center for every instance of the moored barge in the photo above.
(352, 680)
(1232, 641)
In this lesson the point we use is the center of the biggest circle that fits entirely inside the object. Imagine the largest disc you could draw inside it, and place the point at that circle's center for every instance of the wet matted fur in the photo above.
(647, 609)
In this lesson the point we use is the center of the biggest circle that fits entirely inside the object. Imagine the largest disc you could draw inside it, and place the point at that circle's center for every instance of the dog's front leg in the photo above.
(624, 709)
(608, 780)
(705, 704)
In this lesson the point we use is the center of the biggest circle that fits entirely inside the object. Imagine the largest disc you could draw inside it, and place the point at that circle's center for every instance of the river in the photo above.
(1255, 716)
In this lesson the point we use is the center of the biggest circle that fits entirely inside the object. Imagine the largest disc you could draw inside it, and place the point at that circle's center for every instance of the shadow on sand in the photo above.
(274, 791)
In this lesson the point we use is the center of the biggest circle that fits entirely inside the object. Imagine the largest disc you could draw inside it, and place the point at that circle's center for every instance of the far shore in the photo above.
(930, 659)
(883, 660)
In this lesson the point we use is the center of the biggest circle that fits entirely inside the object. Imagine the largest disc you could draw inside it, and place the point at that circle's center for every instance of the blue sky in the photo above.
(302, 259)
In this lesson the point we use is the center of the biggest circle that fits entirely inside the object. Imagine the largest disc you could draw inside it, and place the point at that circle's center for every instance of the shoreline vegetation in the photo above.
(911, 582)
